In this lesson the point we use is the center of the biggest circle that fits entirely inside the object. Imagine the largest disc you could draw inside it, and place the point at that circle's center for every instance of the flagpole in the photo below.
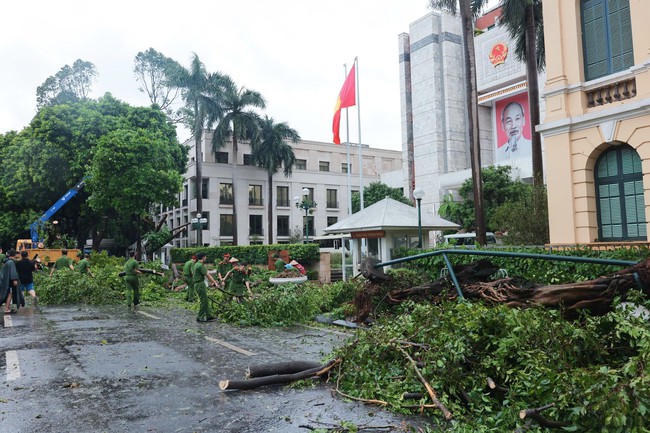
(358, 101)
(347, 142)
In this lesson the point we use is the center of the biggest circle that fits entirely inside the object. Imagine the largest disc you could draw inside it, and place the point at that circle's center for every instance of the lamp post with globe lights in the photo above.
(305, 204)
(418, 193)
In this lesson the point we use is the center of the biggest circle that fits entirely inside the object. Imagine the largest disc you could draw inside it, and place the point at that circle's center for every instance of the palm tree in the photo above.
(271, 152)
(523, 20)
(200, 91)
(468, 9)
(237, 122)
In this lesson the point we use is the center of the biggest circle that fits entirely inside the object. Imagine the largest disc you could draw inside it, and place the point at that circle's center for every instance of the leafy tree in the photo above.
(525, 220)
(201, 92)
(498, 188)
(375, 192)
(153, 70)
(70, 84)
(271, 153)
(468, 10)
(60, 147)
(136, 166)
(238, 122)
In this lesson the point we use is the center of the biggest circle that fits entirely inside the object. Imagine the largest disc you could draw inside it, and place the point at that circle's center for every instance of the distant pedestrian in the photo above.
(132, 282)
(200, 273)
(188, 267)
(26, 268)
(84, 265)
(62, 262)
(9, 283)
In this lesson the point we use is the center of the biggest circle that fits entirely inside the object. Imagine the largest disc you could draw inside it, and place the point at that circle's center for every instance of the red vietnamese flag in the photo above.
(347, 98)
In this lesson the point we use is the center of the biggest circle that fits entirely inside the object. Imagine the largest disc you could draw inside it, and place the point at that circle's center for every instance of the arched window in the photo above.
(606, 37)
(619, 195)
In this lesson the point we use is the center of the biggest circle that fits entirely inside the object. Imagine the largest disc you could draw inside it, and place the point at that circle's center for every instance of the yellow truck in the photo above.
(47, 256)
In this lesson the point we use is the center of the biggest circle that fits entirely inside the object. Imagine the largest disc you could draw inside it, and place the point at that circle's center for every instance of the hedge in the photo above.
(252, 254)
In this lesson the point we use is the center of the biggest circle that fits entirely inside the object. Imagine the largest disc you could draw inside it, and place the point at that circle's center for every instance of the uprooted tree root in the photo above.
(594, 295)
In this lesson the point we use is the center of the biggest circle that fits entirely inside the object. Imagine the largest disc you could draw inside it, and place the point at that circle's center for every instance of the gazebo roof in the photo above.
(389, 214)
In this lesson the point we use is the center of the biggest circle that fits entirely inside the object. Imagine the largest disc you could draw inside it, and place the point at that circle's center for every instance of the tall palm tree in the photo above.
(237, 121)
(271, 153)
(523, 20)
(468, 9)
(200, 91)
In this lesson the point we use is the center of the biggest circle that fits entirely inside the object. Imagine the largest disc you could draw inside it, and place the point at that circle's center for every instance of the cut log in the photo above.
(278, 379)
(288, 367)
(536, 414)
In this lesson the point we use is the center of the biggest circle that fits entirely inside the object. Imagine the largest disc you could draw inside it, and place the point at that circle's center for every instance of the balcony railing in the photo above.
(612, 92)
(283, 203)
(332, 204)
(254, 231)
(254, 201)
(225, 199)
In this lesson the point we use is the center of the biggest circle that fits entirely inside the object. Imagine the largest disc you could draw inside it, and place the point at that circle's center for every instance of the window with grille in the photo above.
(323, 166)
(221, 157)
(619, 195)
(248, 159)
(255, 224)
(300, 164)
(332, 199)
(255, 195)
(225, 225)
(282, 196)
(606, 37)
(225, 193)
(283, 225)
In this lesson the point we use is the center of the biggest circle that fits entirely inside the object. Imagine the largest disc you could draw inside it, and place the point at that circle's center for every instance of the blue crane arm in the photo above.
(33, 228)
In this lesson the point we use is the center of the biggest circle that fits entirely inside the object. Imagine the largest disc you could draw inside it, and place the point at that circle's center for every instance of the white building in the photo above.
(435, 138)
(320, 167)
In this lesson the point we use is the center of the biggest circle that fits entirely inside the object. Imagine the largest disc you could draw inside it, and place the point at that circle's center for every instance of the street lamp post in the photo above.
(305, 204)
(418, 193)
(198, 224)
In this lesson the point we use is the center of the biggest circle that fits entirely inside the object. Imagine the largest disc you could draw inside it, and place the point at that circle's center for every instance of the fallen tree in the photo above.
(475, 282)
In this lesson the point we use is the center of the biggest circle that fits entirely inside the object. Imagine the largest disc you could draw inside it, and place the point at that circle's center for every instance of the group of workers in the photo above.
(232, 277)
(17, 276)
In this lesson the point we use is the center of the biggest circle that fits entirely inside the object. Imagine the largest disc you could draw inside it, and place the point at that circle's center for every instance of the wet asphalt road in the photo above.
(107, 369)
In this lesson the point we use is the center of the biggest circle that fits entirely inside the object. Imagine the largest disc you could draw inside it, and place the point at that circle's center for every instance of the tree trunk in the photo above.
(235, 151)
(596, 295)
(277, 379)
(269, 207)
(198, 163)
(533, 96)
(288, 367)
(473, 123)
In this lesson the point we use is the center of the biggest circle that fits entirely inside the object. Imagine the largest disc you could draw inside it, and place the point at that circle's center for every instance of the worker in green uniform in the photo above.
(279, 263)
(237, 277)
(199, 273)
(131, 278)
(223, 267)
(84, 265)
(62, 262)
(190, 295)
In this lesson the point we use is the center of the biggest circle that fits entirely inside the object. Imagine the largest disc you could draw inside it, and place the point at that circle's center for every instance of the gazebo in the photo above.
(386, 225)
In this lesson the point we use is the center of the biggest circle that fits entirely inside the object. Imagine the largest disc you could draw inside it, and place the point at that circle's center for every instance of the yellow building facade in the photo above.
(596, 129)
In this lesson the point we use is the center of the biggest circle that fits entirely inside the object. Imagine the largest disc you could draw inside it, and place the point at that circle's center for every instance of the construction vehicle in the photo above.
(36, 246)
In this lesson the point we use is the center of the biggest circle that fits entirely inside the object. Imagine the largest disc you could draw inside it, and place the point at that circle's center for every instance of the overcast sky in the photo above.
(291, 51)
